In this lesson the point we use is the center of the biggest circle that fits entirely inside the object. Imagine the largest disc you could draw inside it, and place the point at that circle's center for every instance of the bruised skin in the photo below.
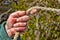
(17, 21)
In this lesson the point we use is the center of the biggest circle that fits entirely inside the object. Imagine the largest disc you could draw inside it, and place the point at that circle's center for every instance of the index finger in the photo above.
(18, 14)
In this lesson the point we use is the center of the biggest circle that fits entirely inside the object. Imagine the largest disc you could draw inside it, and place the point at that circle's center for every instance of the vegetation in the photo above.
(43, 26)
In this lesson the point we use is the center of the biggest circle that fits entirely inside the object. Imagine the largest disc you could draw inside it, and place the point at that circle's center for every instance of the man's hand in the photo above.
(17, 21)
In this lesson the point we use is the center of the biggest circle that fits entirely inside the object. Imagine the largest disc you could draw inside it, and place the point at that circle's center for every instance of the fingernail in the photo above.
(33, 11)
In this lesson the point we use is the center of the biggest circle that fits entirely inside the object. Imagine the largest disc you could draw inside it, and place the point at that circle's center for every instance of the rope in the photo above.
(28, 12)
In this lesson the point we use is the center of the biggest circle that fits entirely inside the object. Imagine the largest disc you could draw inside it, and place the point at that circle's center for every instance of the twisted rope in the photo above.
(28, 12)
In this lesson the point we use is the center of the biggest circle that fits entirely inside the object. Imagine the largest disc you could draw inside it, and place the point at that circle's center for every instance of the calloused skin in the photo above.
(17, 21)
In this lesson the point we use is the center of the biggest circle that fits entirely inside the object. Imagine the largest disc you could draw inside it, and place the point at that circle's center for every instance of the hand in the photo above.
(17, 21)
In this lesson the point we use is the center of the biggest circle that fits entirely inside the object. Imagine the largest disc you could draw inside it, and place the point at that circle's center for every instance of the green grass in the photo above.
(48, 22)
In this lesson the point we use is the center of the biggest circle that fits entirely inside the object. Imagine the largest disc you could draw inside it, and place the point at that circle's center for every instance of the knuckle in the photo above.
(20, 24)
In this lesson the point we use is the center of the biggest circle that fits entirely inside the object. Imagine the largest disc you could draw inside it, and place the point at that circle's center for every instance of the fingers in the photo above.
(12, 31)
(18, 14)
(19, 29)
(21, 13)
(23, 19)
(12, 20)
(20, 24)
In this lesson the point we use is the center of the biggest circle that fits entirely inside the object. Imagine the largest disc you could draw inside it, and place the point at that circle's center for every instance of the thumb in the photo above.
(33, 11)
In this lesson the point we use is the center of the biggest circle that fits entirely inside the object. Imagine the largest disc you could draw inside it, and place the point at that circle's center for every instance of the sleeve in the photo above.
(3, 34)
